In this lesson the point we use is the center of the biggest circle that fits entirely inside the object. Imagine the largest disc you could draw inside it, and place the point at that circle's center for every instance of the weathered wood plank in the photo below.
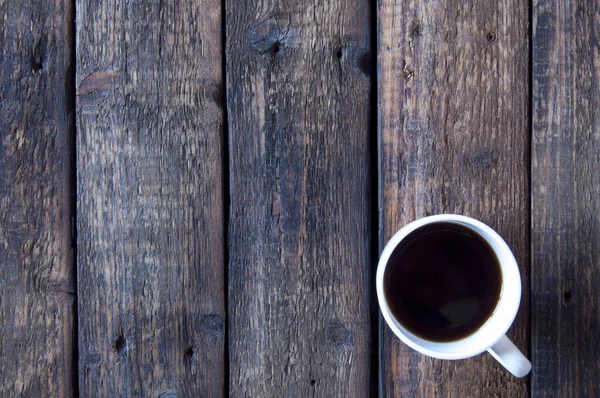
(150, 206)
(36, 278)
(453, 94)
(299, 272)
(566, 199)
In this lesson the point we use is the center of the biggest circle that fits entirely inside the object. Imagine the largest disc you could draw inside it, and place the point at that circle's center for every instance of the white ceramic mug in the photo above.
(491, 335)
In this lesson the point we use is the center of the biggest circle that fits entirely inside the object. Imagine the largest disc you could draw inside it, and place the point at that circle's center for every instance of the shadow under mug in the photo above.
(491, 335)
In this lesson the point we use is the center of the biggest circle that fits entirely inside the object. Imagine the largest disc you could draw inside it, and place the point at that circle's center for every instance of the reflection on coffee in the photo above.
(443, 282)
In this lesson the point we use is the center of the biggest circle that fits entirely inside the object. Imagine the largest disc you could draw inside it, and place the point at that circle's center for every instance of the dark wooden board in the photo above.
(150, 199)
(36, 269)
(453, 122)
(566, 199)
(298, 85)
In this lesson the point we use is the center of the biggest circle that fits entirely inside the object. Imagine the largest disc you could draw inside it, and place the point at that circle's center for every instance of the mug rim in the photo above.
(496, 325)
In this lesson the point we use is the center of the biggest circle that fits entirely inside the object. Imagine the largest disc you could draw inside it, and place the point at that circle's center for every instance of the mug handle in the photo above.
(510, 357)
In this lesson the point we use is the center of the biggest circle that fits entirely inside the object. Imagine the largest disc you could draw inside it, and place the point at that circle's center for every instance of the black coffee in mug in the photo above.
(443, 282)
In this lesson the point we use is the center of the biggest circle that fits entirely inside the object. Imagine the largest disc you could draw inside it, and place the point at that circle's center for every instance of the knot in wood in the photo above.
(266, 37)
(481, 159)
(168, 394)
(213, 323)
(92, 360)
(337, 334)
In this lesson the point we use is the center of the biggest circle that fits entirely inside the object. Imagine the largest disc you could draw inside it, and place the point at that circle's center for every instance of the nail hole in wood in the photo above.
(121, 344)
(491, 37)
(339, 54)
(364, 63)
(37, 64)
(416, 31)
(313, 382)
(567, 291)
(218, 94)
(189, 352)
(276, 47)
(406, 71)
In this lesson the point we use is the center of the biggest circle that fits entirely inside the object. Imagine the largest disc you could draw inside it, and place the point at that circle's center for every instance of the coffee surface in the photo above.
(443, 282)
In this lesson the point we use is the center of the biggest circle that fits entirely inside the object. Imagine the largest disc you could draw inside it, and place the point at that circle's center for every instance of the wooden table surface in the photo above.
(194, 194)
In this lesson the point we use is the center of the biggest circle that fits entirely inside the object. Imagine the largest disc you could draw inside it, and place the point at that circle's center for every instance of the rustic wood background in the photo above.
(193, 195)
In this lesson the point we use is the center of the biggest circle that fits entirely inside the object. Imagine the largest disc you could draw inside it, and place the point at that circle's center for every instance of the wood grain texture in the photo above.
(566, 199)
(36, 278)
(453, 109)
(298, 83)
(150, 206)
